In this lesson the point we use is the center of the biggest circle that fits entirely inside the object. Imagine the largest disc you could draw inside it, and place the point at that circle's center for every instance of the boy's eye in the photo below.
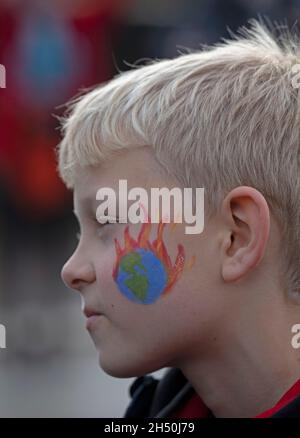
(108, 220)
(104, 220)
(100, 226)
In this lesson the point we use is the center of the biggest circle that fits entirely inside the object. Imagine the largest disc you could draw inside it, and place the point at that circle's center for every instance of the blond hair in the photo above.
(217, 118)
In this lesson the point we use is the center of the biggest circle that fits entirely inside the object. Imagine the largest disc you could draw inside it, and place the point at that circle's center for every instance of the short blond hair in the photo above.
(217, 118)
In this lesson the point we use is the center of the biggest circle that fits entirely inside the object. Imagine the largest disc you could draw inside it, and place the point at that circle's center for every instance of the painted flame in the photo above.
(157, 247)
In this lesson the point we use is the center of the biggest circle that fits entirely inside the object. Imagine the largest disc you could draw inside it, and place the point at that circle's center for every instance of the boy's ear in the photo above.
(247, 222)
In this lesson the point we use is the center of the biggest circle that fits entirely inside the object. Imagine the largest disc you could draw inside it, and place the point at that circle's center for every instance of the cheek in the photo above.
(105, 284)
(104, 267)
(140, 274)
(147, 267)
(119, 308)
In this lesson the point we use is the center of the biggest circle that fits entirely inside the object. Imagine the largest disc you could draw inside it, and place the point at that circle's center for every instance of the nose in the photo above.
(76, 273)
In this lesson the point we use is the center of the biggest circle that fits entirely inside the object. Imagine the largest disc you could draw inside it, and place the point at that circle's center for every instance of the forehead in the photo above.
(137, 166)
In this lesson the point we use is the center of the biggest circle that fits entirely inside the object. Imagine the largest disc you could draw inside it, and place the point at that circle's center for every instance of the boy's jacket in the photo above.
(174, 397)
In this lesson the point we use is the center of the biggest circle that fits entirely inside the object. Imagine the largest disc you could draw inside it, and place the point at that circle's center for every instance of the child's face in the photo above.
(143, 326)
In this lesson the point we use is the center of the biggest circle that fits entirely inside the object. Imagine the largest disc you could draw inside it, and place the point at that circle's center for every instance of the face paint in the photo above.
(143, 270)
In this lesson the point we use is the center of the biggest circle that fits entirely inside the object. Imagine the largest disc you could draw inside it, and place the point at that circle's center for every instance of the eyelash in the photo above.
(78, 235)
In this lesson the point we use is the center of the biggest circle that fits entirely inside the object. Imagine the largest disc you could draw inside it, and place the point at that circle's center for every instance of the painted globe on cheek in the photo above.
(142, 276)
(143, 270)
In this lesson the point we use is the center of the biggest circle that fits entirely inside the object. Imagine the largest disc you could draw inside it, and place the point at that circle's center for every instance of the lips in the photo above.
(91, 312)
(93, 317)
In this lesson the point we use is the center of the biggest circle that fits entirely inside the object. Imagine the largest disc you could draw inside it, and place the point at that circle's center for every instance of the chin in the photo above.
(115, 368)
(119, 370)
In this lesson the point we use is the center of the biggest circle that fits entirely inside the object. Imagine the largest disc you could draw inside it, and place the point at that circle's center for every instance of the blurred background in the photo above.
(51, 49)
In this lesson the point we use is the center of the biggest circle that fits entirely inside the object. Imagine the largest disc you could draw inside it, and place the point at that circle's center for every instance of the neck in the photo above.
(251, 363)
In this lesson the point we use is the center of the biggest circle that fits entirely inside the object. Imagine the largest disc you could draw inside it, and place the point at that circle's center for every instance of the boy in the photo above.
(219, 307)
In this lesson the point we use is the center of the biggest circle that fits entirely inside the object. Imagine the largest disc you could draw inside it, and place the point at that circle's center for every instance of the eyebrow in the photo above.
(90, 205)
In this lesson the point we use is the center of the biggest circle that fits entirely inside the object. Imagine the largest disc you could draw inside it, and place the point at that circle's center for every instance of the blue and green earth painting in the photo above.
(143, 270)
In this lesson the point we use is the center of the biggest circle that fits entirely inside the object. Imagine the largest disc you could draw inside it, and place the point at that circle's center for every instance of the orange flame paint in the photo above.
(157, 247)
